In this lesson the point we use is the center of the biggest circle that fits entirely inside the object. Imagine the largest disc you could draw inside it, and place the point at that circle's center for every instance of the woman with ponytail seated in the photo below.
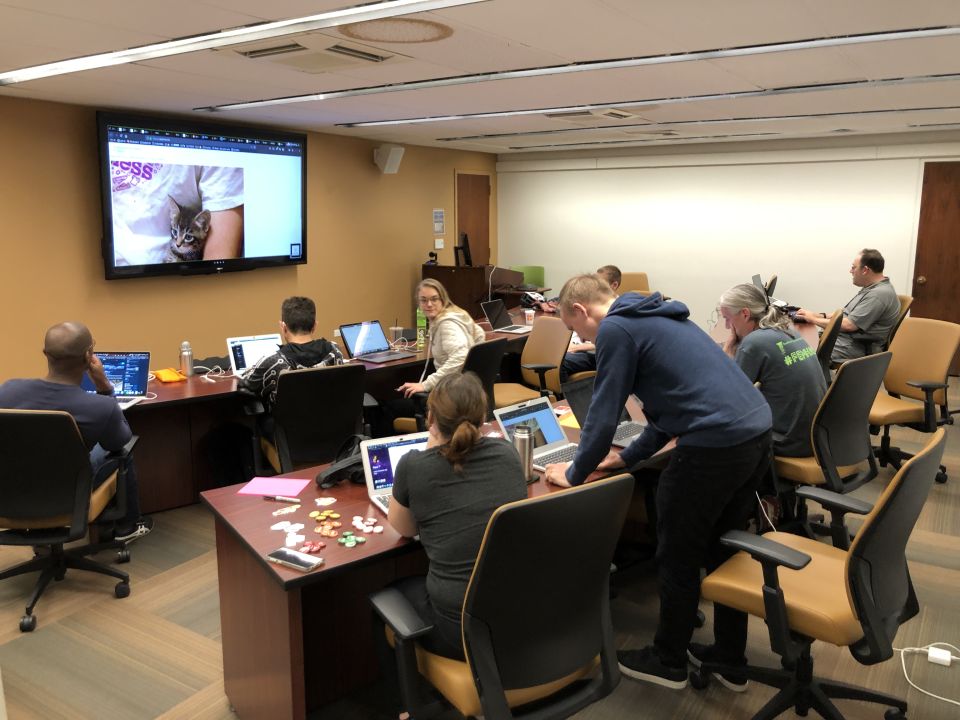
(764, 346)
(447, 494)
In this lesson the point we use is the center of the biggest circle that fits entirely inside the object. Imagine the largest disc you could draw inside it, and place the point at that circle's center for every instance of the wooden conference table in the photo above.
(175, 427)
(294, 641)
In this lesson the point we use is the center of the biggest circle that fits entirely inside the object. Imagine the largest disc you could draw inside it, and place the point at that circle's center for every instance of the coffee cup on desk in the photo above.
(528, 316)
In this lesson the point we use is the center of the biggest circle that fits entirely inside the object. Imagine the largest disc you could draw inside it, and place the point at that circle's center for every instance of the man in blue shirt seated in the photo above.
(69, 351)
(691, 391)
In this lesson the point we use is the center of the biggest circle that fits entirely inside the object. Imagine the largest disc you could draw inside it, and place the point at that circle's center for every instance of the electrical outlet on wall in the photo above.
(438, 244)
(336, 332)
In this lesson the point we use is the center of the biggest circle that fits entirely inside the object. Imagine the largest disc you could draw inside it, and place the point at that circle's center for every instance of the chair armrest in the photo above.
(835, 501)
(126, 450)
(929, 408)
(771, 554)
(927, 386)
(866, 338)
(838, 505)
(765, 551)
(541, 370)
(399, 615)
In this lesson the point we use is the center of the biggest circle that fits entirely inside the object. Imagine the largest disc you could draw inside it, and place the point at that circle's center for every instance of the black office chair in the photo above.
(47, 499)
(483, 359)
(840, 436)
(536, 618)
(770, 286)
(856, 598)
(316, 410)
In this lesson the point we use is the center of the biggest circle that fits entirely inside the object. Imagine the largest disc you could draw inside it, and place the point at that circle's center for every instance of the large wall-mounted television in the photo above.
(183, 198)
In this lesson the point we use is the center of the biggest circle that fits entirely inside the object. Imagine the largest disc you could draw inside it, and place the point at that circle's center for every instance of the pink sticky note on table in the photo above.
(290, 487)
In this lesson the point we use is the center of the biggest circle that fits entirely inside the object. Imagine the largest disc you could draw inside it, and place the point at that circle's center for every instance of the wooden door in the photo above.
(936, 291)
(473, 215)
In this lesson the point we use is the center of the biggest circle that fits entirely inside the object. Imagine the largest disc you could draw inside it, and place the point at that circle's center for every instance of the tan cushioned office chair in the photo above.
(915, 384)
(634, 282)
(855, 598)
(539, 362)
(523, 646)
(828, 338)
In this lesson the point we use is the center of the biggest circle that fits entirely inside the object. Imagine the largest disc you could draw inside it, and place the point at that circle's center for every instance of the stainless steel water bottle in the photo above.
(186, 359)
(523, 442)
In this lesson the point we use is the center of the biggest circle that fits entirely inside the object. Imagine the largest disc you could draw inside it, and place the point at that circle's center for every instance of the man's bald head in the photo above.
(66, 346)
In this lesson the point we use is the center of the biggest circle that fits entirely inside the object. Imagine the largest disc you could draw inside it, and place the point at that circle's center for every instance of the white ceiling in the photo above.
(665, 101)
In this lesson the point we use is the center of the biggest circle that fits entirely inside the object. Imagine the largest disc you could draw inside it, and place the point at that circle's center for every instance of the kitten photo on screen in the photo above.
(188, 232)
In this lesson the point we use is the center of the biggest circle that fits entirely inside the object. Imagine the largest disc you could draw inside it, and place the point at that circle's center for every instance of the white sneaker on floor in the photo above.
(141, 529)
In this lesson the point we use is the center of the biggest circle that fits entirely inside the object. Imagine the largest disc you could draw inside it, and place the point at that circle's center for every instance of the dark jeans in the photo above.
(577, 362)
(703, 493)
(102, 469)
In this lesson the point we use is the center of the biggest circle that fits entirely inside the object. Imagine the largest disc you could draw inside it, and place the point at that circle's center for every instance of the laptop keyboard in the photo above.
(564, 454)
(627, 430)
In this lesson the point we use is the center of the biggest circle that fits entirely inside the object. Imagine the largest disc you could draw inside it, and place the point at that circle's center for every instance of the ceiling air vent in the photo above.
(614, 114)
(356, 53)
(273, 50)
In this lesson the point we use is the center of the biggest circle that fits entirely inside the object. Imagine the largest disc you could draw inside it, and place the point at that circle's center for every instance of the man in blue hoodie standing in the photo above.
(691, 391)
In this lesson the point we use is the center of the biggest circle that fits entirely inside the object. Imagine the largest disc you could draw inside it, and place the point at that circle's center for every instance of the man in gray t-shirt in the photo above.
(873, 310)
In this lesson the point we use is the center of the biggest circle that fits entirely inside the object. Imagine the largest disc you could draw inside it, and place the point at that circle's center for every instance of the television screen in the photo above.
(181, 197)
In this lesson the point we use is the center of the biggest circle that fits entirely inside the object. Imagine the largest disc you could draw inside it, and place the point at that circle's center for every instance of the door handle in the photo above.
(921, 280)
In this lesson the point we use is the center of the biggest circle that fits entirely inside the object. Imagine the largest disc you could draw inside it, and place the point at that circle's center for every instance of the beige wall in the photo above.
(367, 235)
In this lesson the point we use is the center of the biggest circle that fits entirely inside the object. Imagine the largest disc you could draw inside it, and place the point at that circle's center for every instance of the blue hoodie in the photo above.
(689, 388)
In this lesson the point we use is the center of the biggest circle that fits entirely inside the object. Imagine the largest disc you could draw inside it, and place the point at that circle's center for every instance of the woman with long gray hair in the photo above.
(766, 348)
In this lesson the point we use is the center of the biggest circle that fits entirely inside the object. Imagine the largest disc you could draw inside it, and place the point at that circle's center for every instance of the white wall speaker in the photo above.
(387, 158)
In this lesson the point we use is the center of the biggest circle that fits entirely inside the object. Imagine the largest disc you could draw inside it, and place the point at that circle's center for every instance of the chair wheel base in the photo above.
(699, 680)
(123, 556)
(700, 619)
(894, 714)
(28, 623)
(121, 589)
(941, 477)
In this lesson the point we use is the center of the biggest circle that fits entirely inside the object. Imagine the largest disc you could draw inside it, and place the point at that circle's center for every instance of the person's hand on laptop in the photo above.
(409, 388)
(556, 474)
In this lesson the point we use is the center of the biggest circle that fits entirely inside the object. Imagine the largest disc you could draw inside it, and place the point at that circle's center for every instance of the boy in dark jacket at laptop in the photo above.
(693, 392)
(298, 322)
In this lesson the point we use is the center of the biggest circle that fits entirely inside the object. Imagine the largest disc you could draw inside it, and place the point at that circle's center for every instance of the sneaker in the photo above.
(141, 529)
(699, 654)
(645, 664)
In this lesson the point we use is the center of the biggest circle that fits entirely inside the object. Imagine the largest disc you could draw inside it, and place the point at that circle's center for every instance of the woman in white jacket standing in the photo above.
(452, 333)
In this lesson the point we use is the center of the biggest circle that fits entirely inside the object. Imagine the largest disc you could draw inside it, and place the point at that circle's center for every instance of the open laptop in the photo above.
(245, 352)
(550, 444)
(128, 372)
(579, 394)
(380, 458)
(366, 341)
(499, 318)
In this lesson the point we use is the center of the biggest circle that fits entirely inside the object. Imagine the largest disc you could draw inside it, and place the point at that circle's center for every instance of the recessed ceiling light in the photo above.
(397, 30)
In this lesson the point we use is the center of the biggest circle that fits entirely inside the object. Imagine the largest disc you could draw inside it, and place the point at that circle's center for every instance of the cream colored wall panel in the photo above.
(698, 230)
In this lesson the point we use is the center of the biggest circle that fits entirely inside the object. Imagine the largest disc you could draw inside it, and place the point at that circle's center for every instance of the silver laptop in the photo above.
(499, 318)
(245, 352)
(579, 393)
(380, 458)
(550, 444)
(366, 341)
(128, 372)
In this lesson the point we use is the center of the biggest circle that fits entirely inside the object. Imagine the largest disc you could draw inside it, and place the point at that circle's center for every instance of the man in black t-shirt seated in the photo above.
(69, 351)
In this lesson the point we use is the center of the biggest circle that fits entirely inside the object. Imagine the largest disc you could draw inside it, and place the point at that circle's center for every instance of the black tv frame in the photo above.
(107, 118)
